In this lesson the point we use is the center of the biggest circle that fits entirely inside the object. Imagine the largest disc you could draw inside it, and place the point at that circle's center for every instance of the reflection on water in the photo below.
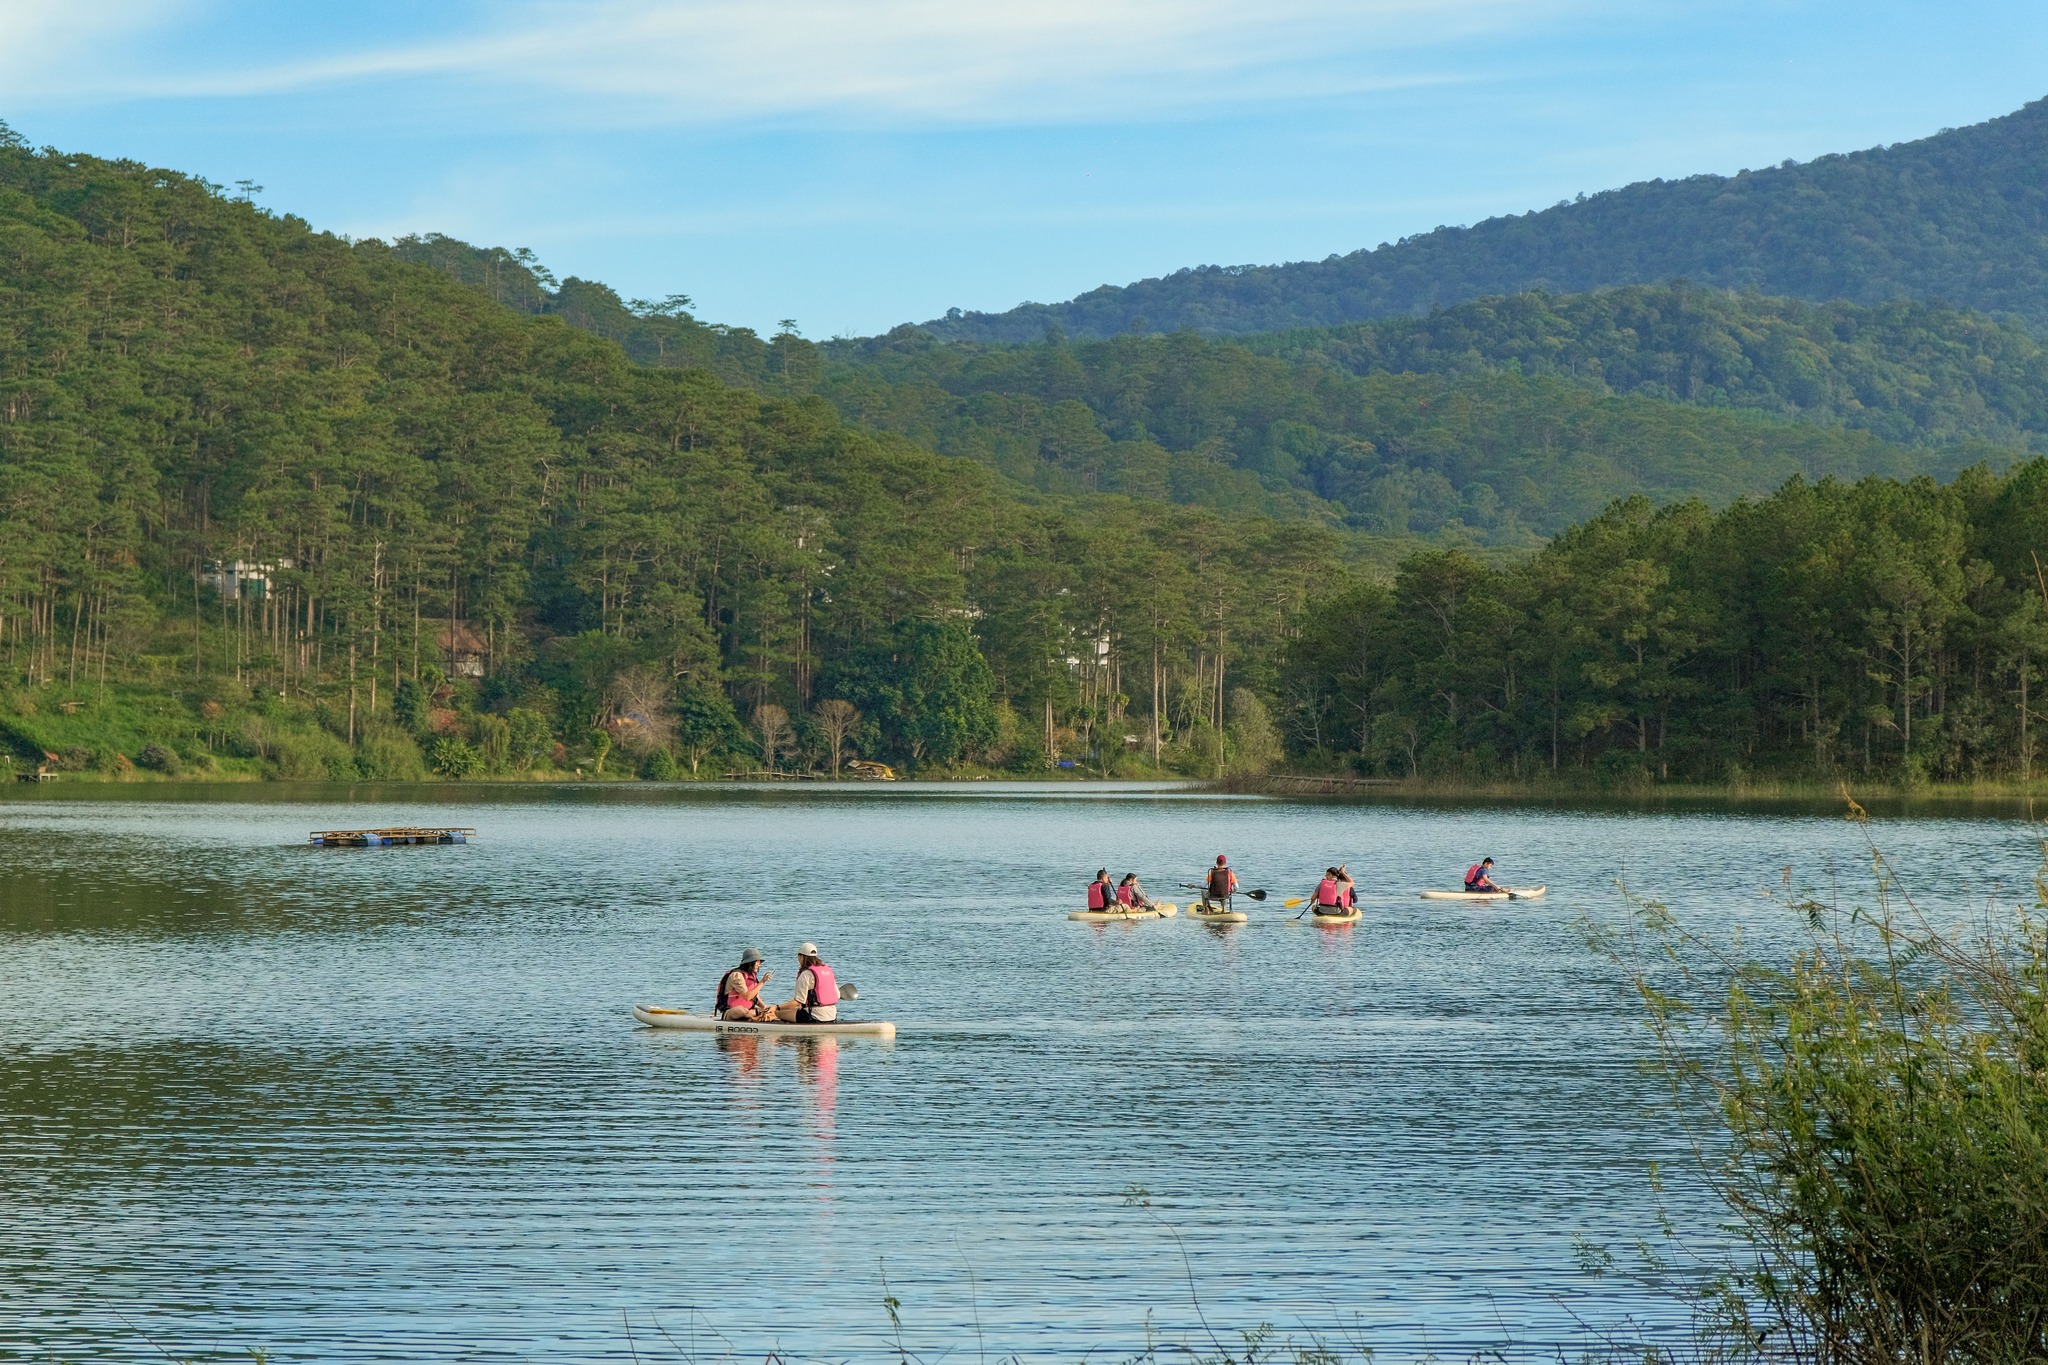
(388, 1105)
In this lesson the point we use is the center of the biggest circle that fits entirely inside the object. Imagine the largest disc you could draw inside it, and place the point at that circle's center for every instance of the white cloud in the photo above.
(41, 39)
(920, 61)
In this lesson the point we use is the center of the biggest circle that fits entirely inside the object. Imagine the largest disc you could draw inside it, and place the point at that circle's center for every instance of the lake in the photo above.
(390, 1104)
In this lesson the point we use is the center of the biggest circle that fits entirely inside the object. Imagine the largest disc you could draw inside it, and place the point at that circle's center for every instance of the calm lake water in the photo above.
(390, 1105)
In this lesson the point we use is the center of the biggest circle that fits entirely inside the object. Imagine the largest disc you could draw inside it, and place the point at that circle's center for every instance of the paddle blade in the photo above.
(1255, 895)
(1290, 903)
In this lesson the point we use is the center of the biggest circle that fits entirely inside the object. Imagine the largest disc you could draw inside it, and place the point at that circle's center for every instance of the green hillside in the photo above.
(1491, 424)
(1910, 372)
(1960, 217)
(490, 540)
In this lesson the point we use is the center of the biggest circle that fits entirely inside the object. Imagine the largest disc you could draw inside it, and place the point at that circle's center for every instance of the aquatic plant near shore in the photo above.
(1874, 1116)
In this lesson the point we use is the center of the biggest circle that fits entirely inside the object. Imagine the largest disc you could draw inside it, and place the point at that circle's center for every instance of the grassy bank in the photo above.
(1828, 793)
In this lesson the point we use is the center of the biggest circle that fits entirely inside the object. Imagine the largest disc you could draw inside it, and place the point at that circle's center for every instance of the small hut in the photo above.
(464, 650)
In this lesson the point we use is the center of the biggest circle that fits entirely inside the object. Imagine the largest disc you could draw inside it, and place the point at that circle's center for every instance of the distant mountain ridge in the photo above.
(1960, 217)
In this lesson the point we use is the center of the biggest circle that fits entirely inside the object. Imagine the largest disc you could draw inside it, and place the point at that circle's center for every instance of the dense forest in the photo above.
(272, 501)
(1916, 373)
(1491, 424)
(1957, 217)
(1882, 629)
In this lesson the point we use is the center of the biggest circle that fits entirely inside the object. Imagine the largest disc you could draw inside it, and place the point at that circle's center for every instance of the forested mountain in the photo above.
(339, 506)
(275, 502)
(1496, 422)
(1909, 372)
(1484, 451)
(1960, 217)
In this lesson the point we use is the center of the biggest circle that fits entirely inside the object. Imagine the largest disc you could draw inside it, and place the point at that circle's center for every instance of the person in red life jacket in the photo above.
(817, 991)
(1101, 892)
(739, 990)
(1130, 894)
(1222, 883)
(1479, 876)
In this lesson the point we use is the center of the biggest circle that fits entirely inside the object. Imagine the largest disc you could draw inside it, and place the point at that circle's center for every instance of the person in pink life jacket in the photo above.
(1350, 886)
(1479, 876)
(1130, 894)
(1101, 892)
(739, 990)
(817, 991)
(1333, 892)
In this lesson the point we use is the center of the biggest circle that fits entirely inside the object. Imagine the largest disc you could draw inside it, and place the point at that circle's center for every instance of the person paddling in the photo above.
(1130, 894)
(1101, 894)
(1479, 877)
(817, 991)
(1222, 883)
(739, 990)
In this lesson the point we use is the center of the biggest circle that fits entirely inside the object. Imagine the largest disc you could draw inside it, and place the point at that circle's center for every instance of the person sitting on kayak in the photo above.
(1130, 894)
(1222, 883)
(1335, 894)
(1350, 886)
(739, 990)
(1479, 877)
(817, 991)
(1101, 894)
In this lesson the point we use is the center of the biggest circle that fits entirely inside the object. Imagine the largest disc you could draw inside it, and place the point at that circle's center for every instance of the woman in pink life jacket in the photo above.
(1349, 886)
(1336, 894)
(817, 991)
(739, 990)
(1130, 894)
(1101, 893)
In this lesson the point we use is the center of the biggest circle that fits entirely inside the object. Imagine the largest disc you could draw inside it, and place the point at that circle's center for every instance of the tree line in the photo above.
(1885, 629)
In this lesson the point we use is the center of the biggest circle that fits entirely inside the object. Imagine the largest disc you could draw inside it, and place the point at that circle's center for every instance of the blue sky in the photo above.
(857, 163)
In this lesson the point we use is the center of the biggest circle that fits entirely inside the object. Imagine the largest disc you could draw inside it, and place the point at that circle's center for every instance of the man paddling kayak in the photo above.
(1479, 877)
(817, 991)
(739, 990)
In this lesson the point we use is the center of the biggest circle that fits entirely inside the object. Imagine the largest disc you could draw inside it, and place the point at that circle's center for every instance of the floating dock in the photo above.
(387, 838)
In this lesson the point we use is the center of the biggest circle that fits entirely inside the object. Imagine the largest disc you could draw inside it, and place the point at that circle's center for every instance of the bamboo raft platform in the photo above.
(388, 838)
(1328, 786)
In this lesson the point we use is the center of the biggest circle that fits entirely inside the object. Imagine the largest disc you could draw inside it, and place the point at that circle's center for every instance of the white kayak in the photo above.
(1337, 921)
(655, 1016)
(1111, 916)
(1519, 893)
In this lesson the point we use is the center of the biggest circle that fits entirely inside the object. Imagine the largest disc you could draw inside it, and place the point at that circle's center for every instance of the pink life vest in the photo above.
(824, 986)
(1101, 895)
(1473, 874)
(724, 1003)
(1327, 892)
(1126, 895)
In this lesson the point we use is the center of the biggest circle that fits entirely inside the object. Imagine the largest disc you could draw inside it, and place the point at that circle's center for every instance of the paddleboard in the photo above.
(1111, 916)
(655, 1016)
(1520, 893)
(1351, 916)
(1218, 916)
